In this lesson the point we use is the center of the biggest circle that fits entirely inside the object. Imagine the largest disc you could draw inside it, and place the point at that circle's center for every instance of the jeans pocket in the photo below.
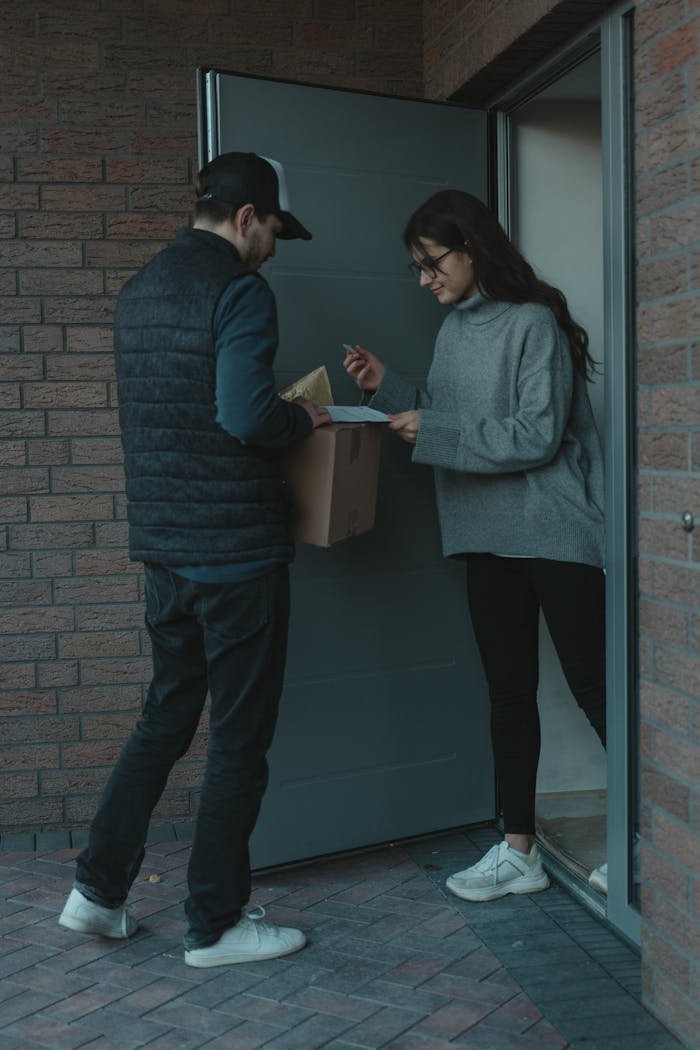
(236, 611)
(157, 591)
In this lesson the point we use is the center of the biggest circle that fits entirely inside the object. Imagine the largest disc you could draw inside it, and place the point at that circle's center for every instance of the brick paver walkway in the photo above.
(391, 962)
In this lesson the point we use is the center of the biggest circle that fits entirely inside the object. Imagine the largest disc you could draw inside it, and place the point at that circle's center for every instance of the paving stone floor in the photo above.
(392, 962)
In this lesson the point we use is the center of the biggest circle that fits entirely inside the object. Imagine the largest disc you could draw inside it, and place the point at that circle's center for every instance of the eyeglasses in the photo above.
(429, 266)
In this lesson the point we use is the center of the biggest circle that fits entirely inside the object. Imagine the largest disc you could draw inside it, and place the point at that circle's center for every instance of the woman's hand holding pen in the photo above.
(406, 425)
(365, 368)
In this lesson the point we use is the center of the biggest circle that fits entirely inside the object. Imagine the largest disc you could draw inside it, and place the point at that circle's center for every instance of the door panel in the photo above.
(383, 729)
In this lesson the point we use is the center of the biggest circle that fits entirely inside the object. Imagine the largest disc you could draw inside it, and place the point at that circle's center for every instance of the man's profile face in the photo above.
(260, 241)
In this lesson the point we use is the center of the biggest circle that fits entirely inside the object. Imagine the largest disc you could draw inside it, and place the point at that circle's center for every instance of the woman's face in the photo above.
(450, 278)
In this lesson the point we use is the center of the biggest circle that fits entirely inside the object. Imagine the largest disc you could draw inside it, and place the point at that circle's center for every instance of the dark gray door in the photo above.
(383, 731)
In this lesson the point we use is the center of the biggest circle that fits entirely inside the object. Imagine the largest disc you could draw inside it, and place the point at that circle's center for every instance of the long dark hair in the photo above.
(460, 221)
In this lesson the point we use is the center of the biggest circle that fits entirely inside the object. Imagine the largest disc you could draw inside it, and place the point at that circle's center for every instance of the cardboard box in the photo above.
(333, 475)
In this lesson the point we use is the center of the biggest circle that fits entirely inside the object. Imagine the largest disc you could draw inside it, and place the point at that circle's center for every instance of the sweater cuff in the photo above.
(394, 394)
(438, 440)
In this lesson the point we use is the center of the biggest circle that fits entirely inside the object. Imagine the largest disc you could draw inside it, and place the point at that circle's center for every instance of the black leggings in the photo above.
(505, 596)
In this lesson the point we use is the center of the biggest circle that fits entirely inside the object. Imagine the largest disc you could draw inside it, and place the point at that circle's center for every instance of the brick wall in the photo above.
(668, 288)
(97, 154)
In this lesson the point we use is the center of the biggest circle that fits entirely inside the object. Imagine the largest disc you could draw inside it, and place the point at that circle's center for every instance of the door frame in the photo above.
(611, 35)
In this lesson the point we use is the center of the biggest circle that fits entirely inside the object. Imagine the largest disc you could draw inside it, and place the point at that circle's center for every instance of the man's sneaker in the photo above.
(499, 872)
(86, 916)
(598, 878)
(249, 940)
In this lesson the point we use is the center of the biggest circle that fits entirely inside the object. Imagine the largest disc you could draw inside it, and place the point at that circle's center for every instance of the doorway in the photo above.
(557, 222)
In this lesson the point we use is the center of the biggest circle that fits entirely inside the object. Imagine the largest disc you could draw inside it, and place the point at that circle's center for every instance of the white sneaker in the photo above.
(499, 872)
(598, 878)
(249, 940)
(86, 916)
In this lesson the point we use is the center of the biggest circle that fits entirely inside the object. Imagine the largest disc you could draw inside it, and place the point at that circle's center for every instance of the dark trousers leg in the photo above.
(246, 669)
(504, 612)
(505, 595)
(163, 733)
(233, 638)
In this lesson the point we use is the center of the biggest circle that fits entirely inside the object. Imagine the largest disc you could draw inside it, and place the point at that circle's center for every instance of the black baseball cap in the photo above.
(246, 178)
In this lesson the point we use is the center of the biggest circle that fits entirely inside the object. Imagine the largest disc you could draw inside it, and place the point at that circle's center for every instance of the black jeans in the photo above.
(229, 638)
(505, 597)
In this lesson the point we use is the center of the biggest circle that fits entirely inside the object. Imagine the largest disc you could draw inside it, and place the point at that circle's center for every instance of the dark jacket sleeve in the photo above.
(247, 403)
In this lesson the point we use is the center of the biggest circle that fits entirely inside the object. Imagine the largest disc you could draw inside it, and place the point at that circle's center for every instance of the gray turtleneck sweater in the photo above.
(507, 424)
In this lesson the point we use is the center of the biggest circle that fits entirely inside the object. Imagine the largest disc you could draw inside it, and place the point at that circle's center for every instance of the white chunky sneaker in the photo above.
(249, 940)
(86, 916)
(499, 872)
(598, 878)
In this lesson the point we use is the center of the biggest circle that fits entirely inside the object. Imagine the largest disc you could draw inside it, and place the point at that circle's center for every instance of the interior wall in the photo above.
(558, 208)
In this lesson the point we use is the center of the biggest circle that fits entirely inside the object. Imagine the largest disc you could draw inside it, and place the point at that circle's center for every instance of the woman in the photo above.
(507, 424)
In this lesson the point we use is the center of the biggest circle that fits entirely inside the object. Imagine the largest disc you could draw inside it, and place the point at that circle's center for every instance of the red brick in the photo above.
(17, 481)
(174, 143)
(676, 1010)
(663, 791)
(255, 60)
(19, 676)
(662, 365)
(71, 508)
(129, 669)
(95, 85)
(26, 592)
(48, 453)
(172, 114)
(15, 702)
(115, 280)
(27, 647)
(104, 421)
(675, 48)
(60, 225)
(145, 58)
(13, 510)
(143, 170)
(90, 340)
(60, 169)
(107, 727)
(675, 229)
(88, 479)
(89, 367)
(96, 450)
(56, 395)
(84, 197)
(38, 253)
(122, 253)
(105, 698)
(71, 54)
(9, 395)
(14, 196)
(676, 406)
(21, 424)
(20, 367)
(79, 781)
(40, 728)
(52, 563)
(13, 453)
(663, 451)
(661, 277)
(88, 309)
(14, 566)
(675, 754)
(43, 339)
(114, 617)
(664, 875)
(43, 537)
(20, 310)
(18, 140)
(19, 785)
(150, 227)
(79, 141)
(651, 19)
(663, 622)
(27, 110)
(58, 673)
(103, 563)
(40, 756)
(664, 707)
(99, 113)
(88, 754)
(30, 812)
(99, 643)
(672, 140)
(60, 282)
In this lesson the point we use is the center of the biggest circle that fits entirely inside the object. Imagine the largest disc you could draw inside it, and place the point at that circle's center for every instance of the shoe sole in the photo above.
(231, 960)
(526, 884)
(83, 926)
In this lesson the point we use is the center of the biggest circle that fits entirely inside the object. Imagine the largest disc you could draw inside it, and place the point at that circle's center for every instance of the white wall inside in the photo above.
(558, 227)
